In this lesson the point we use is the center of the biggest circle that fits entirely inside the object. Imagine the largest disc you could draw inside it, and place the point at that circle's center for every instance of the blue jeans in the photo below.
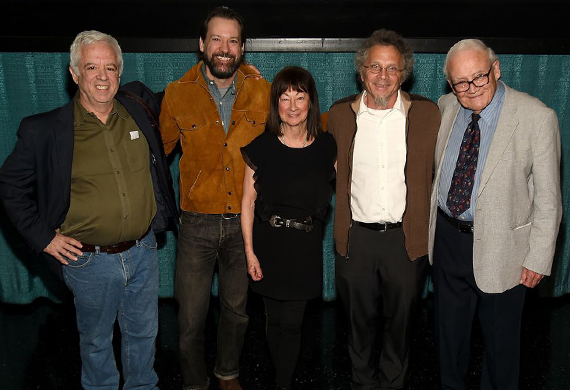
(204, 239)
(122, 286)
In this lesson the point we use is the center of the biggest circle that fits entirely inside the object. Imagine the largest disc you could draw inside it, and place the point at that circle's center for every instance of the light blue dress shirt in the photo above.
(487, 125)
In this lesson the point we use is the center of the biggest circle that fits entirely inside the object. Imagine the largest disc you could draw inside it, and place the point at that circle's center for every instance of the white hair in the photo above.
(468, 44)
(87, 38)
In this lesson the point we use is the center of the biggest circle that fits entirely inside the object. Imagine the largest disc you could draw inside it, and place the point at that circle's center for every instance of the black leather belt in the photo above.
(462, 226)
(305, 224)
(112, 249)
(379, 226)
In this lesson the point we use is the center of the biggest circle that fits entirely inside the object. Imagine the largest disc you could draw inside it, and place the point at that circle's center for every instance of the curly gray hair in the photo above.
(386, 38)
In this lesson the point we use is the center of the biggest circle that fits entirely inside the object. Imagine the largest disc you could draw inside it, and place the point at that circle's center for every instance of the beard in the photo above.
(380, 101)
(223, 70)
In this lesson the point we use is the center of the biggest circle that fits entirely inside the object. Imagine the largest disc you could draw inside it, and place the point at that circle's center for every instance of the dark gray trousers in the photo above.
(379, 287)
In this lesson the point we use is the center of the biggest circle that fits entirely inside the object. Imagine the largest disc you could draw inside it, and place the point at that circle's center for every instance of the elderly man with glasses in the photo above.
(495, 211)
(385, 139)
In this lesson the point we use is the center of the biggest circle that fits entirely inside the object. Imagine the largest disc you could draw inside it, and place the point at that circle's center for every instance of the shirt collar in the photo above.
(80, 113)
(212, 83)
(488, 111)
(398, 105)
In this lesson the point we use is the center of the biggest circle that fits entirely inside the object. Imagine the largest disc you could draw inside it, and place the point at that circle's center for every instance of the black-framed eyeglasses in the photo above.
(376, 69)
(479, 81)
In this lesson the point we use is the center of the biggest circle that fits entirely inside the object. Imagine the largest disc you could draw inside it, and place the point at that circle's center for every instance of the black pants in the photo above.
(378, 274)
(284, 322)
(456, 298)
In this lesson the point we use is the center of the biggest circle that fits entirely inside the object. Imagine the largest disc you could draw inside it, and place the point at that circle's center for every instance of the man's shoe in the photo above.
(230, 384)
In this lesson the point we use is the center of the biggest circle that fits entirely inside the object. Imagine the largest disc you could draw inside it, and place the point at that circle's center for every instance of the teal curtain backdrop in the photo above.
(35, 82)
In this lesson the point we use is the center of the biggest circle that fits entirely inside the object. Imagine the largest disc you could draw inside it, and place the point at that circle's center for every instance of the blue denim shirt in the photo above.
(224, 103)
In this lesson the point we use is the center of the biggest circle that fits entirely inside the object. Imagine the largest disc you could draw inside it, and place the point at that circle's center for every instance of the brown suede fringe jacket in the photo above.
(422, 125)
(211, 166)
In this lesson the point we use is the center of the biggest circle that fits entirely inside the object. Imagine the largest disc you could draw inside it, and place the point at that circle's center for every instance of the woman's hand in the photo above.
(253, 267)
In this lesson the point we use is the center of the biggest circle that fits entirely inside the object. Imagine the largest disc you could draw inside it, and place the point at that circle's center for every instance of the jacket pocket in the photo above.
(191, 122)
(522, 226)
(256, 118)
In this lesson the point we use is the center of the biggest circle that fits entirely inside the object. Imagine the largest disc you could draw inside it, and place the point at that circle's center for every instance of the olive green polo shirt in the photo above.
(112, 198)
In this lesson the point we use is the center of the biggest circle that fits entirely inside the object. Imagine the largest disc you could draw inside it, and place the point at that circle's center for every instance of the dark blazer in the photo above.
(35, 179)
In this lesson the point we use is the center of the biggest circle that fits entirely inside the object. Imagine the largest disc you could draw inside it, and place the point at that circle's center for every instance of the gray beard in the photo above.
(380, 101)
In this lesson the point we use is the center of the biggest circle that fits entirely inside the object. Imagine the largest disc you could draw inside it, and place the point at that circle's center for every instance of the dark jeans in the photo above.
(378, 274)
(203, 240)
(456, 299)
(284, 322)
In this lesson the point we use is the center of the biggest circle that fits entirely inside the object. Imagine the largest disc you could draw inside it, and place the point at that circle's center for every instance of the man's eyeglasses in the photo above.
(479, 81)
(376, 69)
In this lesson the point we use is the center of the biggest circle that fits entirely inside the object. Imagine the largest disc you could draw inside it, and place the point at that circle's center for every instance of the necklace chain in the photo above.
(282, 138)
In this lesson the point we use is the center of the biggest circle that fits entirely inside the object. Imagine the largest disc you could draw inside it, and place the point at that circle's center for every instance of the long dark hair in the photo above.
(300, 80)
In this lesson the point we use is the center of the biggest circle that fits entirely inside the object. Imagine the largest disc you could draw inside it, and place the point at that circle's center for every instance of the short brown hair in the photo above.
(224, 13)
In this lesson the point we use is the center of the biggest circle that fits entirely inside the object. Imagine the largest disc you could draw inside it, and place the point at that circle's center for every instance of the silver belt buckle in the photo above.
(276, 221)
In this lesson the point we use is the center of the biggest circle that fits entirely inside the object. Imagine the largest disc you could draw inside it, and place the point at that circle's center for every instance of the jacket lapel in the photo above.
(63, 133)
(503, 133)
(447, 121)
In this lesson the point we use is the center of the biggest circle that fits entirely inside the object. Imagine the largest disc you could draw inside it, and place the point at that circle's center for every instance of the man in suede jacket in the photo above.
(217, 107)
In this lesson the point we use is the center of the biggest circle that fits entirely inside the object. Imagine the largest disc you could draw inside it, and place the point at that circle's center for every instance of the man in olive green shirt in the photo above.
(87, 186)
(114, 160)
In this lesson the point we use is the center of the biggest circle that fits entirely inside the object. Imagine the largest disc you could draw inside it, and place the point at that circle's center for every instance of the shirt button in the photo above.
(233, 122)
(217, 122)
(229, 192)
(229, 207)
(227, 168)
(225, 144)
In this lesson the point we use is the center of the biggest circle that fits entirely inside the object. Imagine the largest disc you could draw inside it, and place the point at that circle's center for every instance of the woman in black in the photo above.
(286, 194)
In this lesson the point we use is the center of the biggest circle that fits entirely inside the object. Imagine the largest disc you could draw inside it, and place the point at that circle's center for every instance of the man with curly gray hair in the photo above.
(385, 139)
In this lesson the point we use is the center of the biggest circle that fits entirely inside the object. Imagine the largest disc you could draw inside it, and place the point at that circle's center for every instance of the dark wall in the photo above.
(172, 25)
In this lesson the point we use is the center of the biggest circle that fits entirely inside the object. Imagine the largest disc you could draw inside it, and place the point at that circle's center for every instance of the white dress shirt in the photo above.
(378, 188)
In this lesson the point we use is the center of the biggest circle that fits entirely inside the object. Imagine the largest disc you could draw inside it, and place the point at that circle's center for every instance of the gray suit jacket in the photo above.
(519, 207)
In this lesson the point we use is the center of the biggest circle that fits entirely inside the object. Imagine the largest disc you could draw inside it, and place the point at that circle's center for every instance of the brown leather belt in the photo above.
(381, 227)
(462, 226)
(112, 249)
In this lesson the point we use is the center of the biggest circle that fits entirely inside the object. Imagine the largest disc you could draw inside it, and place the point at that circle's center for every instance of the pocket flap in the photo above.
(256, 118)
(191, 122)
